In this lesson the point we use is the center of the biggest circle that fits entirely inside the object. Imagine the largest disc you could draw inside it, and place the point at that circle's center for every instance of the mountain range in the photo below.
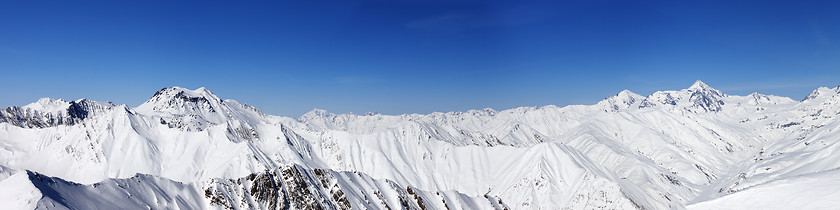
(695, 148)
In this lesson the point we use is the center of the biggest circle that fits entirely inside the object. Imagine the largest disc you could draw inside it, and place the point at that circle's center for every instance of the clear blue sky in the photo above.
(287, 57)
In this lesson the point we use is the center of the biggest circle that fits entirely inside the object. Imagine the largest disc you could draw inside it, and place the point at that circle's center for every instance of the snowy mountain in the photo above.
(189, 149)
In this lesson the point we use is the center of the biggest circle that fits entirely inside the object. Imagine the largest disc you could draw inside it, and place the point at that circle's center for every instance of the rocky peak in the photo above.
(47, 112)
(181, 99)
(79, 109)
(196, 110)
(700, 87)
(701, 97)
(704, 97)
(84, 108)
(191, 110)
(184, 94)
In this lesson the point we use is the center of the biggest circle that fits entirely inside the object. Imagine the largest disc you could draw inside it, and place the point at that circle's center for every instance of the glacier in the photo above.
(695, 148)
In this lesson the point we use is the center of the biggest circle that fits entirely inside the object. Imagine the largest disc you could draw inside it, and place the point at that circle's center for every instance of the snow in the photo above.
(661, 151)
(812, 191)
(699, 86)
(48, 105)
(16, 192)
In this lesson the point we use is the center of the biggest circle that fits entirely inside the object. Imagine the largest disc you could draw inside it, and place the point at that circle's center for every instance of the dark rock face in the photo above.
(705, 98)
(701, 98)
(178, 99)
(241, 132)
(197, 101)
(709, 101)
(283, 188)
(77, 112)
(27, 118)
(667, 99)
(189, 110)
(295, 187)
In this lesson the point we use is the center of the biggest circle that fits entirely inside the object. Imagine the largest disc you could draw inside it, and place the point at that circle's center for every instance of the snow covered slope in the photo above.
(282, 188)
(192, 149)
(811, 191)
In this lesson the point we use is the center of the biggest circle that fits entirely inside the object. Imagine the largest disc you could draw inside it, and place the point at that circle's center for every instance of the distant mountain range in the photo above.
(695, 148)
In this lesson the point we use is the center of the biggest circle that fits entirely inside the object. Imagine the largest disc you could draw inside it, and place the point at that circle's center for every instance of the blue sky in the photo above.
(287, 57)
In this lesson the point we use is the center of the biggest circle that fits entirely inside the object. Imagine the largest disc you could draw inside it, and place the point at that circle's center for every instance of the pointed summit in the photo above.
(700, 85)
(704, 97)
(627, 93)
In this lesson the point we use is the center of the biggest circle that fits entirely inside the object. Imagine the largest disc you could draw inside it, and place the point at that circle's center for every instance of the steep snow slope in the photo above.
(628, 151)
(16, 192)
(811, 191)
(282, 188)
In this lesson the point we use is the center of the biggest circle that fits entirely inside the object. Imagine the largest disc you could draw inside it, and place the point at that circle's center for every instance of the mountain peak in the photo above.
(48, 105)
(822, 91)
(704, 97)
(176, 91)
(700, 85)
(198, 109)
(624, 99)
(178, 98)
(700, 97)
(627, 93)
